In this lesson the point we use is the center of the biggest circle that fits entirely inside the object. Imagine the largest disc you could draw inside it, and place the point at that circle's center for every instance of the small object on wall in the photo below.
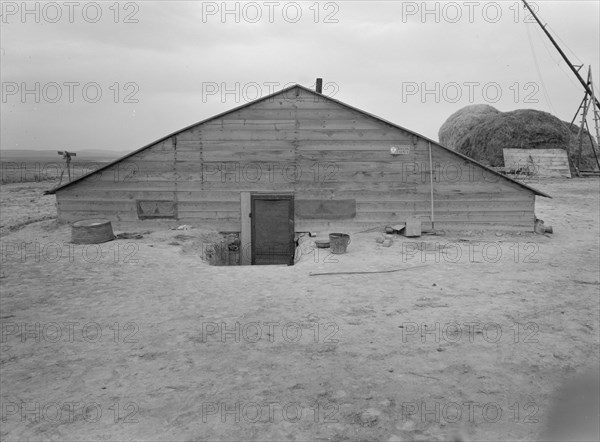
(400, 150)
(91, 231)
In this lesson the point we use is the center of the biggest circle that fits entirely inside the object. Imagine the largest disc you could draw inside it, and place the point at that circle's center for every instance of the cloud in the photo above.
(368, 52)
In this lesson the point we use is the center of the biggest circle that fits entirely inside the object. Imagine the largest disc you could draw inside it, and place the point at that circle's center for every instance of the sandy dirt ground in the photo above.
(142, 340)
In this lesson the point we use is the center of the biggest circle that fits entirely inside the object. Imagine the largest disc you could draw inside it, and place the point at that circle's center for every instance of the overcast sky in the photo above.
(165, 65)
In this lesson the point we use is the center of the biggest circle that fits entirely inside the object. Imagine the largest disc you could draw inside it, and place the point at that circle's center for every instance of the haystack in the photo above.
(482, 132)
(456, 130)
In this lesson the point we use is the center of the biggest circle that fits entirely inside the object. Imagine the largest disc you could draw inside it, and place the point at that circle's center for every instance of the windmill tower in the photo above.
(588, 100)
(587, 103)
(67, 157)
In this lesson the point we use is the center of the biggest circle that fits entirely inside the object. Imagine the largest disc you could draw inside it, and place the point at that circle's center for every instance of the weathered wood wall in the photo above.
(313, 147)
(538, 162)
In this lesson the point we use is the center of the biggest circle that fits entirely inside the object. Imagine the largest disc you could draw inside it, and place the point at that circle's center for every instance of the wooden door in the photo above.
(272, 229)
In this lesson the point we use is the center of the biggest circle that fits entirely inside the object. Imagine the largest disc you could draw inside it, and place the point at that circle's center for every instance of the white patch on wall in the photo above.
(401, 149)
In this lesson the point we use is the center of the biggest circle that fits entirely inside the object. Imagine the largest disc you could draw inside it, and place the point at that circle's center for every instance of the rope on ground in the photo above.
(365, 273)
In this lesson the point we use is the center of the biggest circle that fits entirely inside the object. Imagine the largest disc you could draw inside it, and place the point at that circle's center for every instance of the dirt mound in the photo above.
(482, 132)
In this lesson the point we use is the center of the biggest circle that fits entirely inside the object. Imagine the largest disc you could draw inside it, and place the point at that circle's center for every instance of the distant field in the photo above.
(36, 171)
(27, 166)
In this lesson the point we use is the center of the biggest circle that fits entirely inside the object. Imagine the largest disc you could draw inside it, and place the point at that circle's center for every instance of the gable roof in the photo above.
(283, 91)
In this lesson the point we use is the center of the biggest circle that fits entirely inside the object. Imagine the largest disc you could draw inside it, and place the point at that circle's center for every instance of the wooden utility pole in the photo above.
(582, 127)
(564, 56)
(596, 111)
(585, 105)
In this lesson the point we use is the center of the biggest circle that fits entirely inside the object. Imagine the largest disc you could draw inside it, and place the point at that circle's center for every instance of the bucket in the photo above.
(338, 242)
(91, 231)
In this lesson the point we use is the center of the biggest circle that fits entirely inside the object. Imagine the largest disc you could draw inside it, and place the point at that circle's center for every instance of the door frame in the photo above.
(248, 205)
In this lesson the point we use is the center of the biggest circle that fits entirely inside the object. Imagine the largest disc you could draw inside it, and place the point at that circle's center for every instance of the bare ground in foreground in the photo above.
(140, 341)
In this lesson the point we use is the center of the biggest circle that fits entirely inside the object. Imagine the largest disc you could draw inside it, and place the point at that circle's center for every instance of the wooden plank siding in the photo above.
(538, 162)
(313, 147)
